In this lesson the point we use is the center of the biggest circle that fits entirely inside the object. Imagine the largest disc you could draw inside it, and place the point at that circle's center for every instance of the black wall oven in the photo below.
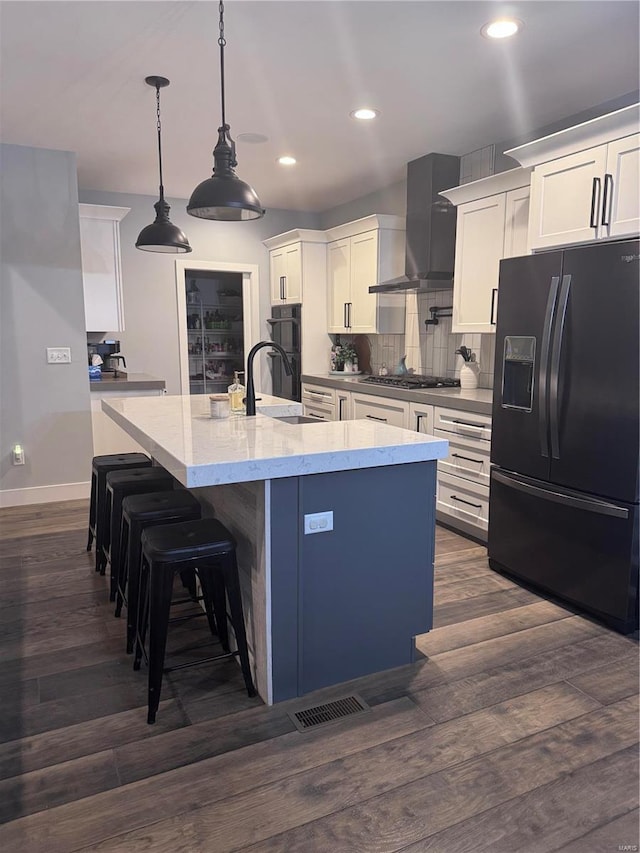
(285, 326)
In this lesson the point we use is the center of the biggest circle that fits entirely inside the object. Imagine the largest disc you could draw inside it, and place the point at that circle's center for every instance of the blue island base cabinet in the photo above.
(327, 607)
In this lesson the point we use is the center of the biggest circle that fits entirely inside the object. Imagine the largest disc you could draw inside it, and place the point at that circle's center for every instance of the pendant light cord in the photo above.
(159, 142)
(222, 42)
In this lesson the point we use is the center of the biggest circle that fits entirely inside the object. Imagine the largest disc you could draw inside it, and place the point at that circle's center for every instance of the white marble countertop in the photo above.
(202, 451)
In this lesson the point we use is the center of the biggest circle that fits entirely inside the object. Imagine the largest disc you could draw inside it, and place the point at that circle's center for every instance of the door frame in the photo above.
(250, 306)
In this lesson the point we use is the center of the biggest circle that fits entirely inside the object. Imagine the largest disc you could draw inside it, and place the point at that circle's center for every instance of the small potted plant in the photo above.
(347, 358)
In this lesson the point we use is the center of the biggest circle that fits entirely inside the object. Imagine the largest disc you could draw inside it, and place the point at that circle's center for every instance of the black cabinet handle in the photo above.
(462, 501)
(467, 458)
(282, 279)
(344, 313)
(593, 221)
(494, 290)
(349, 304)
(374, 418)
(608, 184)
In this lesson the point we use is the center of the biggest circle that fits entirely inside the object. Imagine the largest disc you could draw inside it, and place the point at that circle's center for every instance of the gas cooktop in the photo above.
(414, 380)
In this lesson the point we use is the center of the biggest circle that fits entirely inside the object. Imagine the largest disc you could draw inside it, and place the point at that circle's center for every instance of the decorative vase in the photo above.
(469, 374)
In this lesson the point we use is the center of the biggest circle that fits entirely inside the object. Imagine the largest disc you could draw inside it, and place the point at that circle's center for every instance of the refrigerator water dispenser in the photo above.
(517, 374)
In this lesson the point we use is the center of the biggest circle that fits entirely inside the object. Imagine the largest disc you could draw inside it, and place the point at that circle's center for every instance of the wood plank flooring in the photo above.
(515, 730)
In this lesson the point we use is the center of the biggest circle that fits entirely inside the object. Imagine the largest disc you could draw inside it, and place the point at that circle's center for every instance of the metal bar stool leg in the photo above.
(232, 584)
(143, 612)
(92, 509)
(215, 604)
(160, 590)
(123, 561)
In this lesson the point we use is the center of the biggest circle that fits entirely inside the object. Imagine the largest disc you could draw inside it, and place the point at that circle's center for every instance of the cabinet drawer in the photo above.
(318, 394)
(468, 458)
(381, 410)
(463, 500)
(468, 424)
(322, 413)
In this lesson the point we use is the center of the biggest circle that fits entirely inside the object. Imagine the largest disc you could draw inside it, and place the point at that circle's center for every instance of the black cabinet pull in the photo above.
(344, 315)
(467, 458)
(494, 290)
(374, 418)
(462, 501)
(593, 222)
(282, 279)
(606, 215)
(349, 304)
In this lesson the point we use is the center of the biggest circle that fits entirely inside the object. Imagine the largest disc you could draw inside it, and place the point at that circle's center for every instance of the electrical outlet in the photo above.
(318, 522)
(18, 454)
(58, 355)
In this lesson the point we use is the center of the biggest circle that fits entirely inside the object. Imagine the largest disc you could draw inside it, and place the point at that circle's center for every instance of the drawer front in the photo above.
(380, 410)
(468, 424)
(468, 458)
(463, 500)
(316, 410)
(318, 395)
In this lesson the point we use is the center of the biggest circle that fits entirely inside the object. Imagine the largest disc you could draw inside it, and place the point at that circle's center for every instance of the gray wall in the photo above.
(44, 407)
(150, 340)
(390, 200)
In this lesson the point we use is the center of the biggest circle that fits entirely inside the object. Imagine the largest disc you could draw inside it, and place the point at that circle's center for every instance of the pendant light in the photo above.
(224, 195)
(162, 235)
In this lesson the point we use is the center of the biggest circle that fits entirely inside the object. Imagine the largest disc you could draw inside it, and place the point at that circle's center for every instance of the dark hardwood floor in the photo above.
(517, 730)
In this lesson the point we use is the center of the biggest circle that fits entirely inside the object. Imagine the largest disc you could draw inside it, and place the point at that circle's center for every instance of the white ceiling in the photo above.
(72, 77)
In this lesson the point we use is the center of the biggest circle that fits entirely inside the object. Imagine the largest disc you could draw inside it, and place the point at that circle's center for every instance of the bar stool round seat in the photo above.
(100, 467)
(208, 547)
(121, 484)
(139, 512)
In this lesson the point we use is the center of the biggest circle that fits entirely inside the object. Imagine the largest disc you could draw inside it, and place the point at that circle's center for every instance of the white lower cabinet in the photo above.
(380, 410)
(463, 477)
(319, 402)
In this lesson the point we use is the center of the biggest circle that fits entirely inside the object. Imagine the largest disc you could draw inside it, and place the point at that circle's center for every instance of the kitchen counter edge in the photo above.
(128, 382)
(478, 400)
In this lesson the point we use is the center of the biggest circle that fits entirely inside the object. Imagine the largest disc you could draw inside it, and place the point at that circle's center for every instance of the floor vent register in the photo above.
(320, 715)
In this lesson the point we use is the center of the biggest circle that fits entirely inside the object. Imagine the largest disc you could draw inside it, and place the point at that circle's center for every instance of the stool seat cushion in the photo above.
(112, 460)
(187, 540)
(147, 507)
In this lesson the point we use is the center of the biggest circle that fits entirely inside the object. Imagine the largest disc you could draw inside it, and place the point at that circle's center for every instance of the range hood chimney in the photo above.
(431, 226)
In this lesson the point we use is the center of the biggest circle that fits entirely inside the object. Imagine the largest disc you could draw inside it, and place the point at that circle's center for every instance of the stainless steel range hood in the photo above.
(431, 226)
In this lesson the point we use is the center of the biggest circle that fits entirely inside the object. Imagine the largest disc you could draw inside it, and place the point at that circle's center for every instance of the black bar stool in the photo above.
(121, 484)
(100, 467)
(209, 548)
(138, 513)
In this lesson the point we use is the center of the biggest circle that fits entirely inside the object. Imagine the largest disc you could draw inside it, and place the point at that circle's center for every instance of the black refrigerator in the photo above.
(563, 511)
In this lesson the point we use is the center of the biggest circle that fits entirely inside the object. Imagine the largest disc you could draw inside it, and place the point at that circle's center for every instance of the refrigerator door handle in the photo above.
(554, 372)
(585, 504)
(544, 365)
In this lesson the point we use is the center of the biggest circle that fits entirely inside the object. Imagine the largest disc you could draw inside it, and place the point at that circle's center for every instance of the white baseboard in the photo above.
(45, 494)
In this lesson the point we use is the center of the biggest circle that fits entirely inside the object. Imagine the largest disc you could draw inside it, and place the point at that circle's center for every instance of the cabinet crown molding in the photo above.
(367, 223)
(296, 235)
(491, 185)
(589, 134)
(103, 211)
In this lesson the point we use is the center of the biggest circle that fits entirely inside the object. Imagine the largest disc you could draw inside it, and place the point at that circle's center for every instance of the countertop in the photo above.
(202, 451)
(478, 400)
(127, 382)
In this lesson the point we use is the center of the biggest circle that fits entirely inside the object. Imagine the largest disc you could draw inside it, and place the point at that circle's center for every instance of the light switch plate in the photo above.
(318, 522)
(58, 355)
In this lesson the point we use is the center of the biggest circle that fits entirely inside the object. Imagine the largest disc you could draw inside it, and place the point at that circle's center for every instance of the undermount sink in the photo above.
(298, 419)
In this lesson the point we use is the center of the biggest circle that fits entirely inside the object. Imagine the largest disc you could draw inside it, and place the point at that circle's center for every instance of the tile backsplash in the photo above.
(431, 349)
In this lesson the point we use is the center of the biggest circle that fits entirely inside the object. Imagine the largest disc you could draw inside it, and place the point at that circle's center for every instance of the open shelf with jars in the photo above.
(214, 338)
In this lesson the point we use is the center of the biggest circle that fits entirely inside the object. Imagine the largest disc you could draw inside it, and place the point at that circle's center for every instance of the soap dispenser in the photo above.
(237, 393)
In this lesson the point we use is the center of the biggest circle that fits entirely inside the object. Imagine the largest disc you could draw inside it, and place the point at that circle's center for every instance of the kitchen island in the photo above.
(334, 524)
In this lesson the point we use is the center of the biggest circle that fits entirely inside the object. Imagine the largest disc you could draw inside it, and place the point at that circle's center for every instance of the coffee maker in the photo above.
(109, 352)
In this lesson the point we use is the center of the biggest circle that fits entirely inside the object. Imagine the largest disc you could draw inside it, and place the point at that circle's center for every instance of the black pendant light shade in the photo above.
(224, 196)
(162, 235)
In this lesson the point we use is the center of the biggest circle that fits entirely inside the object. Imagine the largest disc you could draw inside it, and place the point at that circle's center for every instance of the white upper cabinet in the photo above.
(492, 223)
(359, 255)
(289, 268)
(584, 185)
(101, 271)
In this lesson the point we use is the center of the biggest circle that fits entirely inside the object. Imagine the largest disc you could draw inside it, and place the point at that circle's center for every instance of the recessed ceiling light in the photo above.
(502, 28)
(365, 114)
(287, 161)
